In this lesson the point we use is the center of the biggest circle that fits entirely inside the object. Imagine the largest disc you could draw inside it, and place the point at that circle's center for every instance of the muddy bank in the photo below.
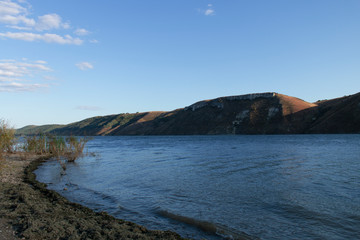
(34, 212)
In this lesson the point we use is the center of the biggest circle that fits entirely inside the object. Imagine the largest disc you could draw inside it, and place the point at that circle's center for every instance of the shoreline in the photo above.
(28, 210)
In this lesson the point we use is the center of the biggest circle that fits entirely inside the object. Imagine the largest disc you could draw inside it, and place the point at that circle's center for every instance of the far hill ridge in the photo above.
(258, 113)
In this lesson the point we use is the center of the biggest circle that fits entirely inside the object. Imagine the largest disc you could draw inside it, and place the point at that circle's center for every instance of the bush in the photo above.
(36, 144)
(75, 147)
(56, 146)
(7, 138)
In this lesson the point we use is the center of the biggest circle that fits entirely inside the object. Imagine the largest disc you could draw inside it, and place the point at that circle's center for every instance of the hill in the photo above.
(32, 129)
(259, 113)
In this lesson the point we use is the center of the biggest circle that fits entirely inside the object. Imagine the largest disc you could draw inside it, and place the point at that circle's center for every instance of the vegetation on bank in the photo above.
(7, 138)
(64, 149)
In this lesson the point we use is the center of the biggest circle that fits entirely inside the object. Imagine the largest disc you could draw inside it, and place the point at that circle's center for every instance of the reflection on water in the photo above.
(245, 187)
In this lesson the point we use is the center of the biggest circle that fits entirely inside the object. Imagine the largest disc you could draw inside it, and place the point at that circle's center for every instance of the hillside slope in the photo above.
(340, 115)
(260, 113)
(32, 129)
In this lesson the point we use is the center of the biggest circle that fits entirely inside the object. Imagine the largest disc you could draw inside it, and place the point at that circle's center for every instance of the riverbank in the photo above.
(30, 211)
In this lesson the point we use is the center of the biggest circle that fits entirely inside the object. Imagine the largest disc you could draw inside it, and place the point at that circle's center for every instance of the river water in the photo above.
(213, 187)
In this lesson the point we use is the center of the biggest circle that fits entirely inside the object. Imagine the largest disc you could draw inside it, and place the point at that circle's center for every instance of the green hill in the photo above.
(33, 130)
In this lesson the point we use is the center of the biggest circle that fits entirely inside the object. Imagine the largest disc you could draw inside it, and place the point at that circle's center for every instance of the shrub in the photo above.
(75, 148)
(36, 144)
(56, 146)
(7, 138)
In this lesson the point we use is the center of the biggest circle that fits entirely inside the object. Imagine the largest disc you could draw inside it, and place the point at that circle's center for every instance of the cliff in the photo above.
(260, 113)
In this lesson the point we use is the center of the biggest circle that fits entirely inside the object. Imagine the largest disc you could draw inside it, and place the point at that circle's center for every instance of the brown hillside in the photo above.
(339, 115)
(291, 105)
(150, 116)
(258, 113)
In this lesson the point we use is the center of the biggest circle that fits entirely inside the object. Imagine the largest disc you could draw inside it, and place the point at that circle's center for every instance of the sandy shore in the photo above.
(30, 211)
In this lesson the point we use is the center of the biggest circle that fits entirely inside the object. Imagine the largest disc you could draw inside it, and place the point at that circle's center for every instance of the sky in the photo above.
(64, 61)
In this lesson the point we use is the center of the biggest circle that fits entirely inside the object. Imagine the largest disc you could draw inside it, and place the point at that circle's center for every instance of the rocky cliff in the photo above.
(260, 113)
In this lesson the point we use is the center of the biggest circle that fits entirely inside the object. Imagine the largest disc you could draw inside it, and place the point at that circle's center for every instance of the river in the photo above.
(214, 187)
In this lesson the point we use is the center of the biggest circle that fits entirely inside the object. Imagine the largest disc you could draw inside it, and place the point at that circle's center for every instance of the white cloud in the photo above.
(8, 73)
(93, 41)
(84, 66)
(49, 21)
(34, 66)
(209, 12)
(15, 15)
(81, 32)
(47, 37)
(20, 28)
(10, 8)
(89, 108)
(21, 87)
(41, 62)
(17, 76)
(19, 69)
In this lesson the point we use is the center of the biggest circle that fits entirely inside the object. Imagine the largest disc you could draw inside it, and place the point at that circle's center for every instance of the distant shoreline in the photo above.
(29, 210)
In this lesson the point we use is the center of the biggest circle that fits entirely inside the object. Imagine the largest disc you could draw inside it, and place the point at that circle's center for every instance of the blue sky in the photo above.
(63, 61)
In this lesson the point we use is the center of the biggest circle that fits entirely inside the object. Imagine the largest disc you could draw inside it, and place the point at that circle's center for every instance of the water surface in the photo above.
(268, 187)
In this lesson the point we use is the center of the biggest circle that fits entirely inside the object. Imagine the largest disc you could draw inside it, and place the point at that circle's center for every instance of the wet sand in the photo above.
(30, 211)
